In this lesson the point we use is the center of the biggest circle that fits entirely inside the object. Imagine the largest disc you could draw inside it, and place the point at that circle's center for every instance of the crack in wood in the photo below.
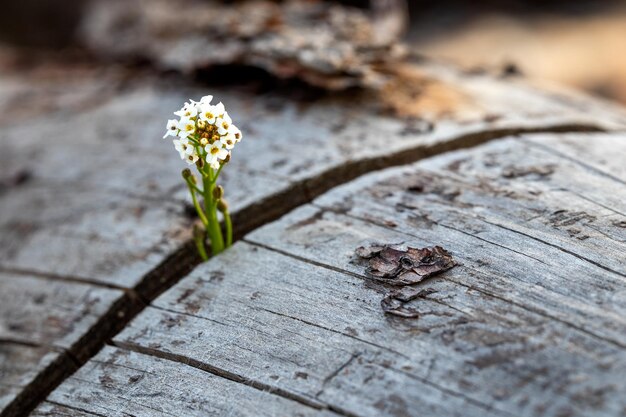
(177, 265)
(335, 331)
(337, 371)
(576, 161)
(302, 399)
(447, 278)
(65, 278)
(569, 252)
(76, 409)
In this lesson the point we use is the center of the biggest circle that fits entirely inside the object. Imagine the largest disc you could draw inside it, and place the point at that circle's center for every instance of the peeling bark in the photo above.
(326, 45)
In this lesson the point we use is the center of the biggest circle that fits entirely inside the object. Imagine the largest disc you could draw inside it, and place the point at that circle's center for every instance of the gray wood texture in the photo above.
(91, 203)
(46, 326)
(530, 323)
(22, 365)
(92, 193)
(138, 384)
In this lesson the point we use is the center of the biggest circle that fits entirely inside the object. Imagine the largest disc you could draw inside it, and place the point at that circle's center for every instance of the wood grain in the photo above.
(91, 203)
(136, 384)
(529, 323)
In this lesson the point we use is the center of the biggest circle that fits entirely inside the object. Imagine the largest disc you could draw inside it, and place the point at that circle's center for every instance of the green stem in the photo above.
(213, 226)
(217, 173)
(203, 218)
(199, 240)
(195, 187)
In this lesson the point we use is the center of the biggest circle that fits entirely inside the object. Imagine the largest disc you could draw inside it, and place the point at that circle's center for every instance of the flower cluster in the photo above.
(203, 132)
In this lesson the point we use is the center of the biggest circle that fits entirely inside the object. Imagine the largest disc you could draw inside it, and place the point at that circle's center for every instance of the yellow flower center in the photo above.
(214, 150)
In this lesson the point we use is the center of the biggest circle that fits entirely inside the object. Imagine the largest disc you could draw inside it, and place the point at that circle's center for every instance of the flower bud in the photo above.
(222, 206)
(186, 173)
(205, 135)
(201, 124)
(204, 141)
(218, 192)
(200, 163)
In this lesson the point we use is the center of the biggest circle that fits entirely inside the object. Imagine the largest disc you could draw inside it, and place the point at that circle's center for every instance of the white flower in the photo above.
(210, 113)
(223, 124)
(228, 140)
(189, 110)
(183, 147)
(172, 128)
(215, 153)
(234, 130)
(187, 127)
(204, 131)
(192, 159)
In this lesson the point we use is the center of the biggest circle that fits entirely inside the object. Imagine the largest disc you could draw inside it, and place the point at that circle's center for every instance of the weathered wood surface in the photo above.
(531, 321)
(49, 312)
(137, 387)
(95, 188)
(21, 365)
(89, 193)
(48, 324)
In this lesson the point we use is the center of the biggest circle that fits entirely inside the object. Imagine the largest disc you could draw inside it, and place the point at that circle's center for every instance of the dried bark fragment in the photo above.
(394, 302)
(395, 266)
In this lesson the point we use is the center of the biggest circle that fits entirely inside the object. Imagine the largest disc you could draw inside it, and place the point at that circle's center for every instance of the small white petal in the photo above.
(188, 110)
(172, 128)
(206, 99)
(234, 130)
(219, 108)
(222, 125)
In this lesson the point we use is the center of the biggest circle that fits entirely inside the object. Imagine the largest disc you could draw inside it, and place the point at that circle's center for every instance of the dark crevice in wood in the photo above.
(336, 372)
(80, 410)
(65, 278)
(569, 252)
(58, 370)
(445, 226)
(304, 400)
(113, 321)
(447, 278)
(584, 197)
(578, 162)
(470, 400)
(286, 394)
(349, 171)
(182, 313)
(328, 329)
(5, 340)
(185, 259)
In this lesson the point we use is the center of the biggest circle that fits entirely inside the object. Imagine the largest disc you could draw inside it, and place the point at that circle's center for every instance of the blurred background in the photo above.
(580, 43)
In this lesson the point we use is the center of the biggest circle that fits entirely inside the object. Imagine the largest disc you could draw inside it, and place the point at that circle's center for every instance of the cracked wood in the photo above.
(529, 323)
(86, 210)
